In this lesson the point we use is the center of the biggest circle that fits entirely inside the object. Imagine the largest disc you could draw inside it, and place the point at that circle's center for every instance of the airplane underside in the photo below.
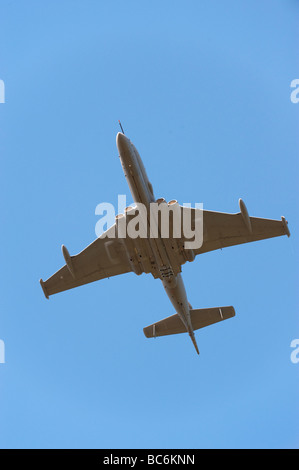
(116, 252)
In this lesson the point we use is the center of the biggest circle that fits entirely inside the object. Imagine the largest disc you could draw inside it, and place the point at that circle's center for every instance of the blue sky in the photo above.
(203, 91)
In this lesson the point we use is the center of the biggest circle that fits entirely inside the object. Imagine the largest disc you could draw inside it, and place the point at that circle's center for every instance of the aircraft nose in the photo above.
(121, 141)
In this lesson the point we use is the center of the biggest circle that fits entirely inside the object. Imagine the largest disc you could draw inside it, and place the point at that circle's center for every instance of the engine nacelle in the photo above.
(172, 202)
(132, 259)
(189, 255)
(121, 227)
(160, 200)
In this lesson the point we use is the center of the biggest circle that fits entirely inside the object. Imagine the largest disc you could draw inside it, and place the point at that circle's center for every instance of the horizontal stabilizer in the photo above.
(208, 316)
(199, 319)
(169, 326)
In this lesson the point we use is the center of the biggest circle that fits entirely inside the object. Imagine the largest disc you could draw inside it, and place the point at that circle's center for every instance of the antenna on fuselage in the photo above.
(121, 126)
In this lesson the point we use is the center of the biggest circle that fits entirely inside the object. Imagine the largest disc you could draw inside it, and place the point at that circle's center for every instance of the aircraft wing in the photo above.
(105, 257)
(222, 229)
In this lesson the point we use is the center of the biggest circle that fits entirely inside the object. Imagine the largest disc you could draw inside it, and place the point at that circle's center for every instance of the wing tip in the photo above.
(285, 225)
(147, 332)
(44, 288)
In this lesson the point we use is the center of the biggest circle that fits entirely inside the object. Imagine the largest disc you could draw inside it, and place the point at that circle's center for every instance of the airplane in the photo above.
(114, 253)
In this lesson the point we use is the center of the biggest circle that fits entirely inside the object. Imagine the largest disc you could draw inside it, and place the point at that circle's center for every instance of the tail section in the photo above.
(192, 336)
(199, 319)
(208, 316)
(169, 326)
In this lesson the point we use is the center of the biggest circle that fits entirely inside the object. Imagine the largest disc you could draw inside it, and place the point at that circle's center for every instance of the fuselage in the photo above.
(159, 248)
